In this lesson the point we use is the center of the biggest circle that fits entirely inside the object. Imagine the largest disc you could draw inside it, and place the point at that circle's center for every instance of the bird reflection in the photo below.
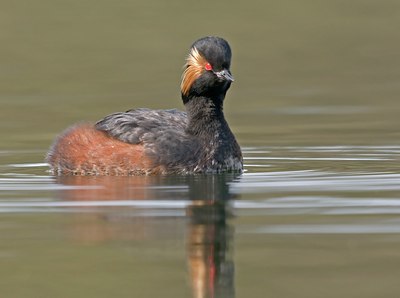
(209, 236)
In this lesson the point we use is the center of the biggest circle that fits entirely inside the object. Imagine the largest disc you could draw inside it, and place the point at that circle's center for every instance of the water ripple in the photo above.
(326, 229)
(316, 181)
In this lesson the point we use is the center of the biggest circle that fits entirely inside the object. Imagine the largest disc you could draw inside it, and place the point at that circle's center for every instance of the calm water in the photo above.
(314, 105)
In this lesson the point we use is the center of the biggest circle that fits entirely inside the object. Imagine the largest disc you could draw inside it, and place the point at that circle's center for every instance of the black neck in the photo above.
(205, 115)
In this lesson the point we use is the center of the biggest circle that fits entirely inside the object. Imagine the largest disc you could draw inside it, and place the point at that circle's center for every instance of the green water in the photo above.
(314, 106)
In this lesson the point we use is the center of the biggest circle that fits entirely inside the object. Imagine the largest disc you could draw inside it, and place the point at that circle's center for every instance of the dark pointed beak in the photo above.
(225, 75)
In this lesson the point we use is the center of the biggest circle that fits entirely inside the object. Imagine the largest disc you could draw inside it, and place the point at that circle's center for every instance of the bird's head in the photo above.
(207, 69)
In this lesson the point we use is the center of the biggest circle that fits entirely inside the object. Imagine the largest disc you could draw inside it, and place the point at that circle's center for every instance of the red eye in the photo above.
(208, 66)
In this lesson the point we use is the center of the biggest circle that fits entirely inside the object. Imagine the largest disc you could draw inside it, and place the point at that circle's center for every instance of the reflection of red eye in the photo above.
(208, 66)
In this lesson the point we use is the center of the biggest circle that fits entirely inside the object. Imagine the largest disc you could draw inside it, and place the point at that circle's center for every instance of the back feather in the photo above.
(140, 125)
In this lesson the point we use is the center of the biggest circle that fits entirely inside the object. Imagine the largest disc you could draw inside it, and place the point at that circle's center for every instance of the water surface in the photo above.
(314, 106)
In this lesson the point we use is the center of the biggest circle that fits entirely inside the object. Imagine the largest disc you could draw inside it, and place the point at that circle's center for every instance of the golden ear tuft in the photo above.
(194, 67)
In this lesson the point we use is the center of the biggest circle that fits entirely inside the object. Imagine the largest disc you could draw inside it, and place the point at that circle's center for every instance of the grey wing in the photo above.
(138, 125)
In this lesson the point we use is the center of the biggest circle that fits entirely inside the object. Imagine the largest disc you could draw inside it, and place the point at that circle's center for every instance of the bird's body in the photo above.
(143, 141)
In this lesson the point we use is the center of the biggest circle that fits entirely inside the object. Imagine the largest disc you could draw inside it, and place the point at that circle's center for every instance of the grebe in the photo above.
(144, 141)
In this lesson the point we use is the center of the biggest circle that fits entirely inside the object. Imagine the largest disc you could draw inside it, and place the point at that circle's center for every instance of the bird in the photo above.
(143, 141)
